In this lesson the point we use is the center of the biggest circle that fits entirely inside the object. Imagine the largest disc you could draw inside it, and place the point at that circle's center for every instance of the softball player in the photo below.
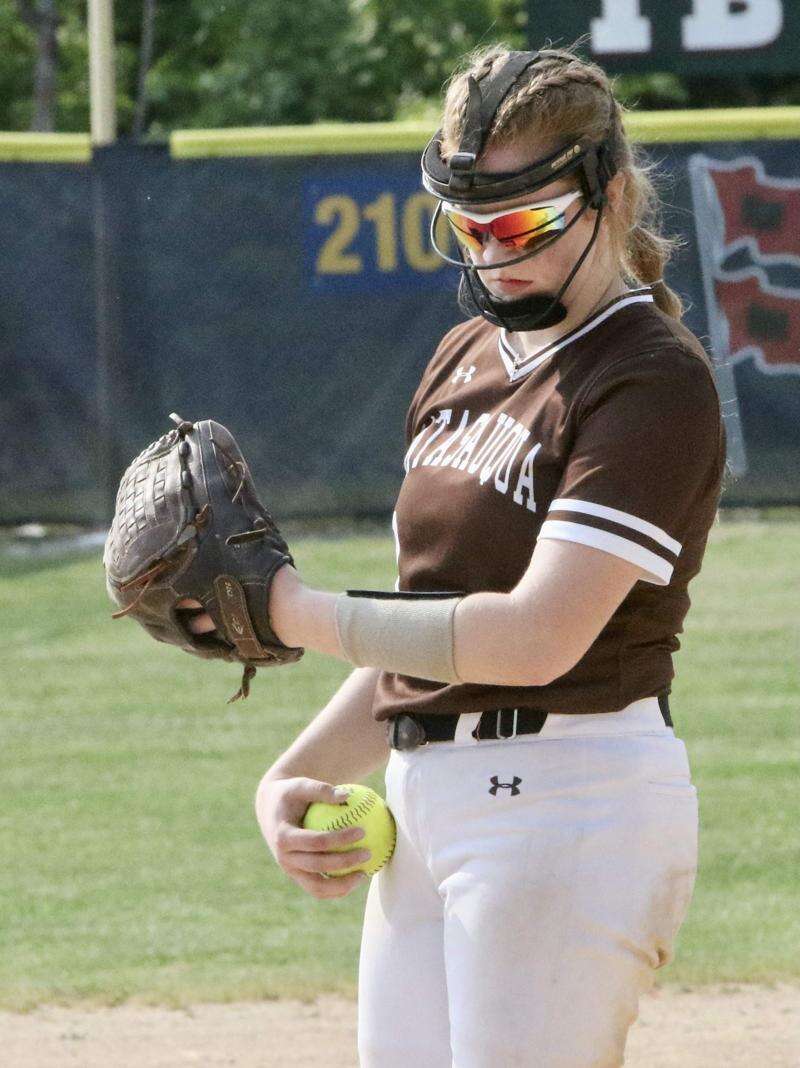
(564, 463)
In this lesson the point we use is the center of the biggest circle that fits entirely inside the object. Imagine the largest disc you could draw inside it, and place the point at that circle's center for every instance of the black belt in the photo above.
(407, 731)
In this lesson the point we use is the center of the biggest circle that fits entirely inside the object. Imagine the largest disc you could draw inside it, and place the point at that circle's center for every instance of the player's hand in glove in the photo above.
(285, 585)
(189, 528)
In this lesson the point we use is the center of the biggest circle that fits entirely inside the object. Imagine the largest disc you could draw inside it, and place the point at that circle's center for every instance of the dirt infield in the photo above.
(719, 1027)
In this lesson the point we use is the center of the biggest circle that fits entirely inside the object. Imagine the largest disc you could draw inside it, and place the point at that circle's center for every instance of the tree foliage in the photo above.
(263, 62)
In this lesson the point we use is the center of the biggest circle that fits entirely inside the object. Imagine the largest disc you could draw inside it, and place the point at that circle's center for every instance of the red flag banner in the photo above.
(763, 320)
(757, 209)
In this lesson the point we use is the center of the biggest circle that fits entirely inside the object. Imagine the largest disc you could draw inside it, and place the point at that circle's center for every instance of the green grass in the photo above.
(130, 862)
(737, 704)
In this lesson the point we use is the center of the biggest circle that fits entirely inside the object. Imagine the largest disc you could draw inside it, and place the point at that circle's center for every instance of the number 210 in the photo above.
(337, 255)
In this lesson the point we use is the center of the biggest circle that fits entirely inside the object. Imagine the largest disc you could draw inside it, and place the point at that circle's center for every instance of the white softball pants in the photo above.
(536, 885)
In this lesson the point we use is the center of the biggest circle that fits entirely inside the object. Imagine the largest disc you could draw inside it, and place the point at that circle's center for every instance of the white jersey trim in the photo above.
(625, 519)
(658, 571)
(507, 353)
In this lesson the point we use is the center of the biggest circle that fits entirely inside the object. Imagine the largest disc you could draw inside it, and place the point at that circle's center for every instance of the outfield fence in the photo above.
(282, 282)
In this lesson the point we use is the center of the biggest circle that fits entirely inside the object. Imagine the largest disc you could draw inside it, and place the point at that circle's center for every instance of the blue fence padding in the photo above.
(296, 300)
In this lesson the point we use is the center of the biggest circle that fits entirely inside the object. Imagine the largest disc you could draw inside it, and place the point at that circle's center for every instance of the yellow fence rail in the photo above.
(715, 124)
(721, 124)
(45, 148)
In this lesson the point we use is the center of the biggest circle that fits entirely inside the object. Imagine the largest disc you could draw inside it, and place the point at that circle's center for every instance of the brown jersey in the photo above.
(610, 437)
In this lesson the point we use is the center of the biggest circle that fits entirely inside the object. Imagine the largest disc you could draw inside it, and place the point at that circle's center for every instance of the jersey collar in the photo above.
(508, 354)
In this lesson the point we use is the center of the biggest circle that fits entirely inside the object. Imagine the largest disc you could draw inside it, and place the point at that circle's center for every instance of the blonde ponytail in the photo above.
(636, 233)
(648, 257)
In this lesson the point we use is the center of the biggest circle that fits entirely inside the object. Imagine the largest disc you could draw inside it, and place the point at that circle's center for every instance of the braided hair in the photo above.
(561, 98)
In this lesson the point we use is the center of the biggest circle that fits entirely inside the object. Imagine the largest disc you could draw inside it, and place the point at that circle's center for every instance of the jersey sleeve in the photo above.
(411, 415)
(645, 461)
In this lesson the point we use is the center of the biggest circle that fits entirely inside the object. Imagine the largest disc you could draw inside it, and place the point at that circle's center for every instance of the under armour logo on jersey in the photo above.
(465, 373)
(513, 786)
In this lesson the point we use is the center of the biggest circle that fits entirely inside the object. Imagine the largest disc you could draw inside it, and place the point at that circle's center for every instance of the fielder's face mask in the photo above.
(529, 228)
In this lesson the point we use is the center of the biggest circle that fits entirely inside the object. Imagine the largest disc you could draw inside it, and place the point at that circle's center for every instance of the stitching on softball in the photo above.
(346, 819)
(387, 853)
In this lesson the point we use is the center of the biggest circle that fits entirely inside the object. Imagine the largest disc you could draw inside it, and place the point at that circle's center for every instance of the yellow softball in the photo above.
(363, 808)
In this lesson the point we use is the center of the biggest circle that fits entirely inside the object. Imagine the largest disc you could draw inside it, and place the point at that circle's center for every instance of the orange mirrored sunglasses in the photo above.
(518, 228)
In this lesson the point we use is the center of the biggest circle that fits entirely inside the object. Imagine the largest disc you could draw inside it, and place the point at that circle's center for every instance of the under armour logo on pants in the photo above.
(512, 786)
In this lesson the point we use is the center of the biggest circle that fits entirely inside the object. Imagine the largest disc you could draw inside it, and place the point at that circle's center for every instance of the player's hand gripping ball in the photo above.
(363, 808)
